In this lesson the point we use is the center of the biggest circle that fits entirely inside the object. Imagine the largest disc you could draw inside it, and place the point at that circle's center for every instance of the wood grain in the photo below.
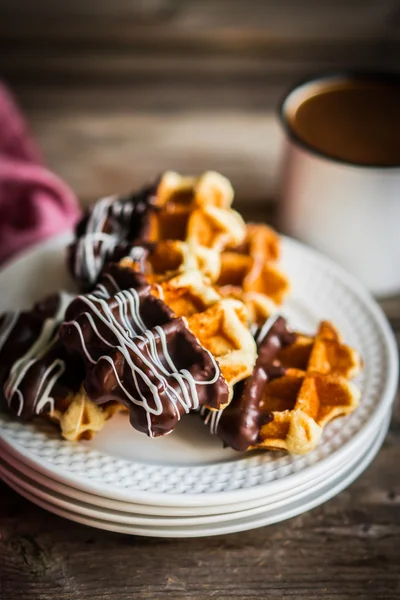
(118, 91)
(98, 155)
(347, 548)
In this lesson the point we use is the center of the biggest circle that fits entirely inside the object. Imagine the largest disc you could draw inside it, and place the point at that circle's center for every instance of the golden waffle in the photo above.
(168, 257)
(220, 325)
(223, 330)
(187, 293)
(314, 390)
(196, 211)
(185, 290)
(252, 266)
(301, 405)
(260, 307)
(297, 386)
(215, 227)
(79, 418)
(210, 188)
(324, 353)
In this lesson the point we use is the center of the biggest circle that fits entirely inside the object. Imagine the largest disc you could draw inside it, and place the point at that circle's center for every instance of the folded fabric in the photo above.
(34, 202)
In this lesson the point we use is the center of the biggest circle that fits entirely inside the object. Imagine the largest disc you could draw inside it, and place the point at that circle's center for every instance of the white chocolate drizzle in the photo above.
(35, 353)
(10, 320)
(137, 253)
(213, 417)
(128, 330)
(101, 290)
(266, 328)
(94, 246)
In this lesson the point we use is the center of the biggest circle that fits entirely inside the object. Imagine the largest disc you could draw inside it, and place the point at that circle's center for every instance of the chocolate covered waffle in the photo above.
(39, 378)
(220, 324)
(298, 385)
(138, 352)
(195, 211)
(109, 231)
(33, 364)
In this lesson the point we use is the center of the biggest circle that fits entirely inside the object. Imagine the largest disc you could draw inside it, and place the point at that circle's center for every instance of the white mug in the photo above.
(349, 211)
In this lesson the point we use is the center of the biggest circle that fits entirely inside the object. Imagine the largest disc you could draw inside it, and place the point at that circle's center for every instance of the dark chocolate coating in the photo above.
(127, 230)
(26, 330)
(153, 312)
(34, 381)
(47, 307)
(241, 421)
(24, 334)
(115, 278)
(102, 385)
(121, 278)
(135, 223)
(110, 375)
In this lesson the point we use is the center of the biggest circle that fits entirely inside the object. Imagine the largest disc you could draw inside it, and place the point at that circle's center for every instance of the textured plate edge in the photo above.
(101, 501)
(233, 528)
(201, 519)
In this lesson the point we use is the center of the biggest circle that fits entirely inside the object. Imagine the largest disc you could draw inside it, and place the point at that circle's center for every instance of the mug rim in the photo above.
(390, 77)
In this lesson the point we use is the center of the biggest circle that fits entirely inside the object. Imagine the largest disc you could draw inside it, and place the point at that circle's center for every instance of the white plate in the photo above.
(163, 511)
(32, 486)
(189, 468)
(241, 524)
(99, 502)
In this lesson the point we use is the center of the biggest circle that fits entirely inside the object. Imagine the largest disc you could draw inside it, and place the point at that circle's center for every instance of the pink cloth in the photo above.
(34, 203)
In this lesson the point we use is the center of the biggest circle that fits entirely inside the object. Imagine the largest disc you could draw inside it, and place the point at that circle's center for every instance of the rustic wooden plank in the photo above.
(115, 34)
(127, 66)
(257, 28)
(290, 18)
(99, 153)
(39, 49)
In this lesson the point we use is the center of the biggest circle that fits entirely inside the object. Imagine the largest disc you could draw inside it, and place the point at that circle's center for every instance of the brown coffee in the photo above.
(353, 120)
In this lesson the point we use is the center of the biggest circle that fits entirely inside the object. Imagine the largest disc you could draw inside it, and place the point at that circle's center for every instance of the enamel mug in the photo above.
(347, 210)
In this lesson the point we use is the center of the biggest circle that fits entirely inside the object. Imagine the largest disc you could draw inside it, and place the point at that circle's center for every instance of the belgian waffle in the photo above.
(139, 353)
(194, 211)
(299, 384)
(220, 324)
(250, 272)
(79, 418)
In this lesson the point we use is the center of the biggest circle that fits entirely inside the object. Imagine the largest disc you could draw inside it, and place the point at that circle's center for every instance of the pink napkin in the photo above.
(34, 203)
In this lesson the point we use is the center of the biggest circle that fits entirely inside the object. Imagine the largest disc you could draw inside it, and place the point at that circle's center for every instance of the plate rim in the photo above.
(68, 503)
(233, 527)
(58, 487)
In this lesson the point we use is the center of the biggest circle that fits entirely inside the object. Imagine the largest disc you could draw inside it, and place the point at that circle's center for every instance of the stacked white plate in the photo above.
(186, 484)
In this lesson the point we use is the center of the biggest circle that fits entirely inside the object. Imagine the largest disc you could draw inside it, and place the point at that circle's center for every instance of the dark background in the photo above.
(116, 91)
